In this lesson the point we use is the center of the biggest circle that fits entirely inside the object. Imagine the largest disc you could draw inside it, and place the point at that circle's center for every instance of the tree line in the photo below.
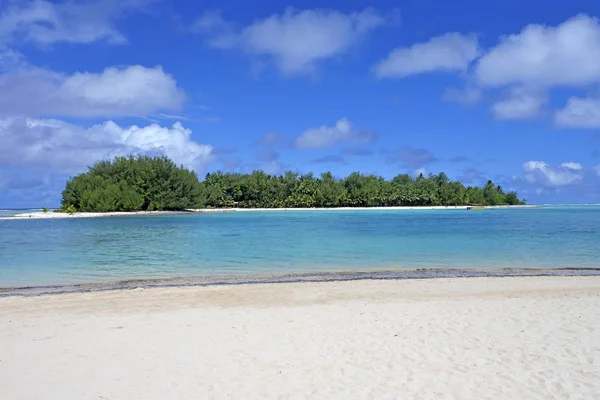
(138, 183)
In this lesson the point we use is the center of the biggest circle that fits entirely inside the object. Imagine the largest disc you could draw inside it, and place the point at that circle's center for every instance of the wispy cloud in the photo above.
(411, 158)
(450, 52)
(324, 137)
(46, 22)
(330, 159)
(295, 41)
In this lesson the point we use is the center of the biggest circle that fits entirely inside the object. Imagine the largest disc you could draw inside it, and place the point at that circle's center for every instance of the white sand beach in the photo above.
(476, 338)
(61, 215)
(51, 214)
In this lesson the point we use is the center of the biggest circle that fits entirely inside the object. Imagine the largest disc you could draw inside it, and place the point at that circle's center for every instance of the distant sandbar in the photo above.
(53, 215)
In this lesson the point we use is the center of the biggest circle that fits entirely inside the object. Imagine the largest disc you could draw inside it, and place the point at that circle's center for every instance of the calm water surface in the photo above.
(49, 252)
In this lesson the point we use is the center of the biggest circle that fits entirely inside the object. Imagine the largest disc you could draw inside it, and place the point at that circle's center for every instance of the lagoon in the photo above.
(79, 251)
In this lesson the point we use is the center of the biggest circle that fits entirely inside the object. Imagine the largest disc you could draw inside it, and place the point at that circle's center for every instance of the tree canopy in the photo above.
(156, 183)
(133, 184)
(291, 189)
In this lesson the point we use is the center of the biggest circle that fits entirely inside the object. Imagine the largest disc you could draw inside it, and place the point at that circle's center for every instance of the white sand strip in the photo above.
(479, 338)
(51, 214)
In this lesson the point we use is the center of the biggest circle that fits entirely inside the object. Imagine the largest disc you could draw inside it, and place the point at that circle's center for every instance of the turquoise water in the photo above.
(69, 251)
(6, 212)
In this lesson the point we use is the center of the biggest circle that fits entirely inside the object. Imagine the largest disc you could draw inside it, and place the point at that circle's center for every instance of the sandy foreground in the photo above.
(476, 338)
(55, 215)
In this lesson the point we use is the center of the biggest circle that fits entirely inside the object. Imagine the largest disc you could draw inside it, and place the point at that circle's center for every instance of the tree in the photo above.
(133, 184)
(147, 183)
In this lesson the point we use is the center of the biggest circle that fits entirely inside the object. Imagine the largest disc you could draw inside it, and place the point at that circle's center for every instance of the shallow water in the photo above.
(71, 251)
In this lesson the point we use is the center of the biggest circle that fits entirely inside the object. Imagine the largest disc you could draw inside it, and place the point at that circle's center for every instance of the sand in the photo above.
(54, 215)
(61, 215)
(476, 338)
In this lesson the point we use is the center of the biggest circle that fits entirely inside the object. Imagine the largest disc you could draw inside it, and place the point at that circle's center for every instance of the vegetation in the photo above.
(293, 190)
(133, 184)
(156, 183)
(45, 209)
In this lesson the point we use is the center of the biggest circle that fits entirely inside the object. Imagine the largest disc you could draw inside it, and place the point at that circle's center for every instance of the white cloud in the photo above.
(450, 52)
(46, 22)
(545, 56)
(520, 103)
(572, 165)
(579, 113)
(134, 90)
(597, 170)
(325, 136)
(62, 147)
(540, 173)
(529, 64)
(295, 40)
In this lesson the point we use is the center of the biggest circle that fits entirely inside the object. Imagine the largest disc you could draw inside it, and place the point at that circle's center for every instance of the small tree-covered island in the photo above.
(142, 183)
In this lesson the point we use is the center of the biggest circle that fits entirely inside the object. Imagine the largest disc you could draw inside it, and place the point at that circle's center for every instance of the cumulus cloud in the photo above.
(46, 22)
(61, 147)
(532, 62)
(411, 158)
(325, 136)
(295, 41)
(520, 103)
(450, 52)
(579, 113)
(545, 56)
(539, 173)
(26, 90)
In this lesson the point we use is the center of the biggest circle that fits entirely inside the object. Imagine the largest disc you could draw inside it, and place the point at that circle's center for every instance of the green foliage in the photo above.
(221, 190)
(133, 184)
(45, 209)
(69, 209)
(147, 183)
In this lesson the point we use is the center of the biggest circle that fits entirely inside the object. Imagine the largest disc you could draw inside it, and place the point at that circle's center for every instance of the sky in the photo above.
(508, 91)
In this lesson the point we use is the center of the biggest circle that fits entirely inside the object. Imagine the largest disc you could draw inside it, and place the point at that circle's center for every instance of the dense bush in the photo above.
(293, 190)
(156, 183)
(133, 184)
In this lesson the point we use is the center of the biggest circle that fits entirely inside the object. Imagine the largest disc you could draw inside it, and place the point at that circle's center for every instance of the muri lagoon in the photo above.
(45, 252)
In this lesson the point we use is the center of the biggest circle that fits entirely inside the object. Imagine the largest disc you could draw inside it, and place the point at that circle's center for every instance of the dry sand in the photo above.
(54, 215)
(61, 215)
(478, 338)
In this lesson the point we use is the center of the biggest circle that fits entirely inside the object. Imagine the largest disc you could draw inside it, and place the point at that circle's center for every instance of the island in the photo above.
(144, 183)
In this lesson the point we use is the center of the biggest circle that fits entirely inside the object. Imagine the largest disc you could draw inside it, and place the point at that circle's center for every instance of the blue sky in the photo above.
(508, 91)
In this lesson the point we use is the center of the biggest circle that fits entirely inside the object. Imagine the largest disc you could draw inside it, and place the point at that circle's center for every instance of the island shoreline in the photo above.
(298, 278)
(62, 215)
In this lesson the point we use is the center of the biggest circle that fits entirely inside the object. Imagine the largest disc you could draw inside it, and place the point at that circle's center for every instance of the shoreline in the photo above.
(55, 215)
(296, 278)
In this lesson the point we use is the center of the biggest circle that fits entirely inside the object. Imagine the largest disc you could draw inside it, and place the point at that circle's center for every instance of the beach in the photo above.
(61, 215)
(474, 338)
